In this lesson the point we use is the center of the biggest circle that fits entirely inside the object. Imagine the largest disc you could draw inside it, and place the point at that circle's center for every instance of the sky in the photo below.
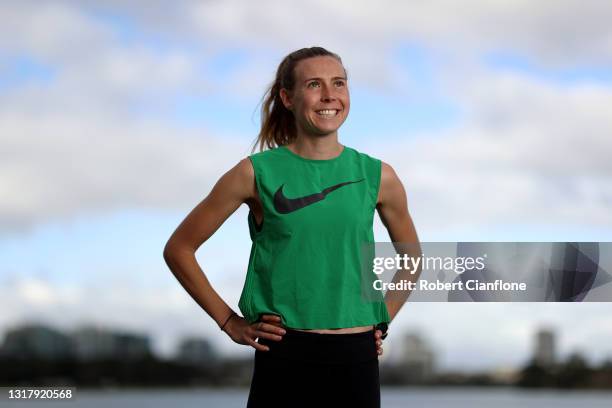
(117, 118)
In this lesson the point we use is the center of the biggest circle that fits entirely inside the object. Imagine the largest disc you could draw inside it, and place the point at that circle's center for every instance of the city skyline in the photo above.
(415, 348)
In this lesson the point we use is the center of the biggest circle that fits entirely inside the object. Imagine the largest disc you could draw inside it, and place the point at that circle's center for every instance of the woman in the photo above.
(311, 203)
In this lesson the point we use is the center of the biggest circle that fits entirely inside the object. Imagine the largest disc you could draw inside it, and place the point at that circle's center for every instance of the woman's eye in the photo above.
(338, 83)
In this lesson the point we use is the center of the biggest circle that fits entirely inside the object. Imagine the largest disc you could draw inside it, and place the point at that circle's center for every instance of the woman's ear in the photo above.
(286, 98)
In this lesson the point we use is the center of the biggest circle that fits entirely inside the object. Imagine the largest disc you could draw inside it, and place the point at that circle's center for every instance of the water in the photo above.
(391, 398)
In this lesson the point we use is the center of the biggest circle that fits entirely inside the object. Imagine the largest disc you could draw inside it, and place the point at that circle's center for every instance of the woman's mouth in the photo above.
(327, 113)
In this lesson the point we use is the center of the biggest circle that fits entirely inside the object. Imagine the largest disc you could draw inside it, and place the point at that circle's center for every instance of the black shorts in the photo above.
(308, 369)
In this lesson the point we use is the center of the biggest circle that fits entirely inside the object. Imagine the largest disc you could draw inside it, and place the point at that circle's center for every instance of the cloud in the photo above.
(560, 33)
(525, 151)
(51, 30)
(366, 37)
(60, 167)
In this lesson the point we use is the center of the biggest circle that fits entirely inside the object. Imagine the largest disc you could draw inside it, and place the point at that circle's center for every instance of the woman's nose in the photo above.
(326, 94)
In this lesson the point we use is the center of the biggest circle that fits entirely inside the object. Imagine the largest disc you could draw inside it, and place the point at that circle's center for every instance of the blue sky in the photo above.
(118, 119)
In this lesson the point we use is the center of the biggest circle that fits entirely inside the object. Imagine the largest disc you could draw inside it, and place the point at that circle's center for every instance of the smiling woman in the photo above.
(312, 203)
(320, 104)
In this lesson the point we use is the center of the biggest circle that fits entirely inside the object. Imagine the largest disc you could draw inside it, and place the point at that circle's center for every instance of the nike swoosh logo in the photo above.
(286, 205)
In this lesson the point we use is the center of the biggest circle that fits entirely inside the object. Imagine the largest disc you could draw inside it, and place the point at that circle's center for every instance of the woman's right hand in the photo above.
(241, 332)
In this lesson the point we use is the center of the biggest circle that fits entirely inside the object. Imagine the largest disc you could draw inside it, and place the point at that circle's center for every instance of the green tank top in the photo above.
(306, 257)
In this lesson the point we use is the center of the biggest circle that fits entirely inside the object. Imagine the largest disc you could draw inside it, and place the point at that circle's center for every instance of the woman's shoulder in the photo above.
(386, 170)
(259, 162)
(364, 156)
(265, 154)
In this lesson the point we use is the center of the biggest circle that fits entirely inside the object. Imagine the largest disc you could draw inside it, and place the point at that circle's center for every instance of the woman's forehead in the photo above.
(319, 67)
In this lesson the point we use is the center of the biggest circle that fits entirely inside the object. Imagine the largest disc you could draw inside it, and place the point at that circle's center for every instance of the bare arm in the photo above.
(234, 188)
(392, 208)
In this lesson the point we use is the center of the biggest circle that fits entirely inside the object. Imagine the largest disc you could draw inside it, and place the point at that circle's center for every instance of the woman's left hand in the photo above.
(378, 337)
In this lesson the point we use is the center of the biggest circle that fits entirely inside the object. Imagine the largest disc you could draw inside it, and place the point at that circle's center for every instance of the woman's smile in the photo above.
(328, 113)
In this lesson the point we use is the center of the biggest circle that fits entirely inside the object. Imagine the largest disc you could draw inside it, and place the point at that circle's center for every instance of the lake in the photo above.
(391, 398)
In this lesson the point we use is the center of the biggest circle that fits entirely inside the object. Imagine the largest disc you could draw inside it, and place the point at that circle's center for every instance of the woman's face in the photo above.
(320, 99)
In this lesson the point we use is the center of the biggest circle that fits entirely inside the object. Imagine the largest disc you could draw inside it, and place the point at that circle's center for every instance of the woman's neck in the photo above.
(316, 148)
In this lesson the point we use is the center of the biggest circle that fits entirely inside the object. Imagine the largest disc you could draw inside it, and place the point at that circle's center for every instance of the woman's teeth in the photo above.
(327, 112)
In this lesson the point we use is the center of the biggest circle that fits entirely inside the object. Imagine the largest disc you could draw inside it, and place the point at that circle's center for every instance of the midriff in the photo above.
(344, 330)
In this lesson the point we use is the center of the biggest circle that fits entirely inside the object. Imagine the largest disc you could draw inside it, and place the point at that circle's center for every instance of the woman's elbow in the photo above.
(173, 249)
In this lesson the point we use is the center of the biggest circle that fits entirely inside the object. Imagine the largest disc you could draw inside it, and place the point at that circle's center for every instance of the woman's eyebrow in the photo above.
(336, 77)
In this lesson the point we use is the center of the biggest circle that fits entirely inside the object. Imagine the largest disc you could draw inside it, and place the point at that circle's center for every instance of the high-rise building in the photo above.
(37, 341)
(91, 343)
(418, 357)
(544, 353)
(196, 351)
